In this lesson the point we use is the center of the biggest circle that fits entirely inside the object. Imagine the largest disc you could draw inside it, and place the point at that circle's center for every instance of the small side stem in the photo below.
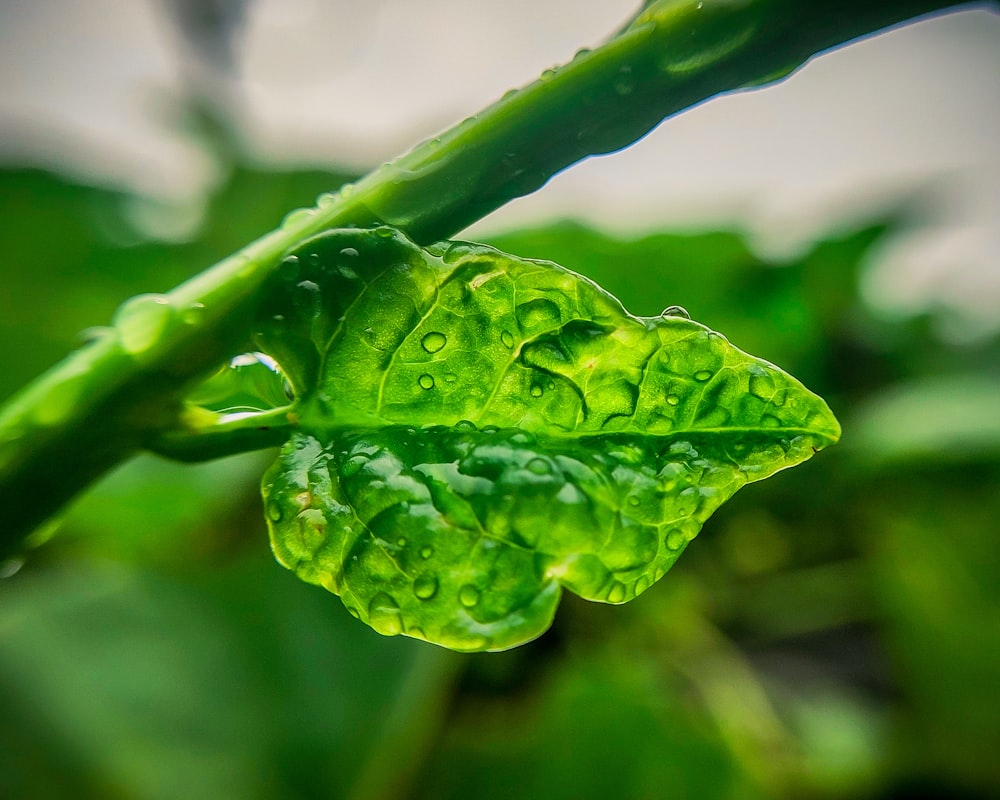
(204, 435)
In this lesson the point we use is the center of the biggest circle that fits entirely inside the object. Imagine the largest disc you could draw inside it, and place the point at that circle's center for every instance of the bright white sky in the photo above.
(88, 87)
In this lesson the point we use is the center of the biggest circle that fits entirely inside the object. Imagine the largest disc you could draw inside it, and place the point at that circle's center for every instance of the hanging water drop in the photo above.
(384, 615)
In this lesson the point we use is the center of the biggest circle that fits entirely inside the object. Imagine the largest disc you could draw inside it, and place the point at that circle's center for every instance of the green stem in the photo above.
(113, 397)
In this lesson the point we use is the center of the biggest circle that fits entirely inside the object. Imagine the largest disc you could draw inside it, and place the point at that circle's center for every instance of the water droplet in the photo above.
(507, 338)
(433, 342)
(450, 377)
(616, 594)
(522, 438)
(684, 60)
(312, 529)
(425, 587)
(538, 466)
(384, 615)
(761, 384)
(676, 540)
(289, 268)
(465, 426)
(625, 82)
(426, 552)
(673, 399)
(702, 375)
(142, 321)
(426, 381)
(274, 511)
(770, 421)
(633, 501)
(353, 465)
(326, 200)
(537, 391)
(401, 541)
(297, 217)
(675, 311)
(641, 584)
(10, 567)
(538, 314)
(349, 252)
(468, 595)
(93, 334)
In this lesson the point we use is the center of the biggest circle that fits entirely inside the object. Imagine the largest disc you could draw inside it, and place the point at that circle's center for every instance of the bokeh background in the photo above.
(833, 632)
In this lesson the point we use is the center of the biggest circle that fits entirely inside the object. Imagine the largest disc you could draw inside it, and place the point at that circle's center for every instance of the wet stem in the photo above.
(124, 391)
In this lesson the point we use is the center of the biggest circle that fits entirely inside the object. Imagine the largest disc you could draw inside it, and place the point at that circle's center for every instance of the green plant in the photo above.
(132, 387)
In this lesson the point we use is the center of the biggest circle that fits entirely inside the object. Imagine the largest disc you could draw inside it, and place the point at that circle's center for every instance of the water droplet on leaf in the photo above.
(468, 595)
(384, 615)
(676, 540)
(425, 587)
(616, 594)
(433, 341)
(426, 381)
(538, 314)
(539, 466)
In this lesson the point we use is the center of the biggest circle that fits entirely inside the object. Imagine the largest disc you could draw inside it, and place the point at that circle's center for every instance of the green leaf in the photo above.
(476, 432)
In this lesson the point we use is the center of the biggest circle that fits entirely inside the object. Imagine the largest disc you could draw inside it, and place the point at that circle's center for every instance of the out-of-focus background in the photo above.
(833, 632)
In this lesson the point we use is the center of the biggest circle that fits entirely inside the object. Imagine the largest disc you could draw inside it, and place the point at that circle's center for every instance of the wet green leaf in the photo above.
(477, 432)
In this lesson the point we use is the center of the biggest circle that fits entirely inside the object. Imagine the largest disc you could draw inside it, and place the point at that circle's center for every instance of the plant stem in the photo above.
(124, 391)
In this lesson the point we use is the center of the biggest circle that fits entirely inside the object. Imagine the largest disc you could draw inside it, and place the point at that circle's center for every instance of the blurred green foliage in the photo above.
(833, 632)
